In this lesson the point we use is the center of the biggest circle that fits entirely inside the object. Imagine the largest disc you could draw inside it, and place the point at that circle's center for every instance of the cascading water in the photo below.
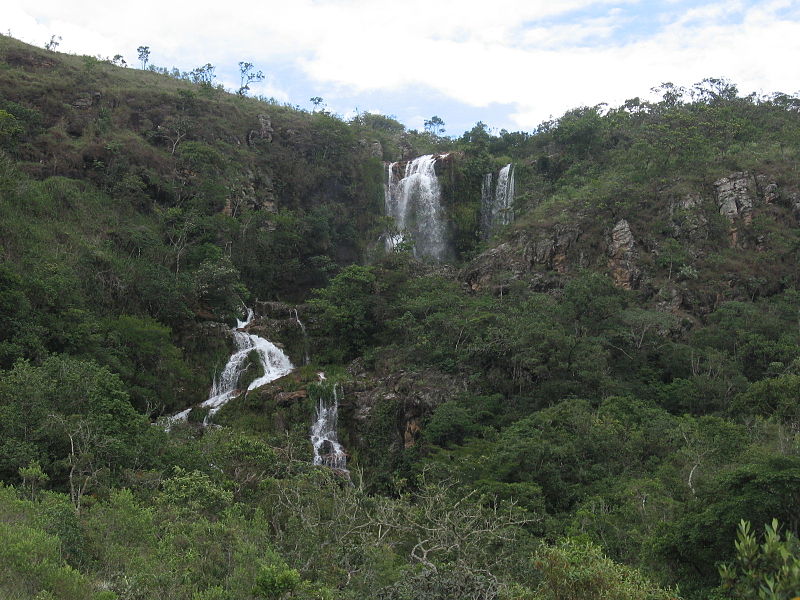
(327, 449)
(414, 203)
(503, 211)
(272, 359)
(306, 358)
(497, 206)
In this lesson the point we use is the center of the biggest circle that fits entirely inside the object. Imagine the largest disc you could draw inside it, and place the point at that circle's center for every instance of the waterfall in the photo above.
(503, 211)
(327, 449)
(224, 387)
(497, 208)
(414, 203)
(306, 358)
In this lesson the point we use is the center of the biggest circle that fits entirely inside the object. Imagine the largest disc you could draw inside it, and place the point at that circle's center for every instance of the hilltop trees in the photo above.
(248, 76)
(434, 125)
(144, 55)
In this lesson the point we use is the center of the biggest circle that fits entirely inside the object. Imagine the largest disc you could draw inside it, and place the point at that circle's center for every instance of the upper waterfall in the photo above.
(414, 201)
(497, 206)
(504, 196)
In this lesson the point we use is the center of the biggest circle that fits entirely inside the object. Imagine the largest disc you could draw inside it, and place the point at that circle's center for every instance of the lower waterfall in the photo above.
(327, 449)
(272, 359)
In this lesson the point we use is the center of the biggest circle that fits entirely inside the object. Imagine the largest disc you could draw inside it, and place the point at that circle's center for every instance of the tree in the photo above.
(275, 581)
(434, 125)
(347, 311)
(88, 446)
(53, 43)
(318, 102)
(174, 130)
(768, 571)
(575, 570)
(144, 55)
(248, 76)
(203, 75)
(33, 476)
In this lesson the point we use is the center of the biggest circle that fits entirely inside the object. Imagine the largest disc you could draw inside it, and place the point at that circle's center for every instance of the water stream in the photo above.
(414, 201)
(306, 358)
(225, 386)
(503, 210)
(497, 202)
(327, 449)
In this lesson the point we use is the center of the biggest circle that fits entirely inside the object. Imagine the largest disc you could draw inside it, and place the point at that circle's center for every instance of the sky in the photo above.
(510, 64)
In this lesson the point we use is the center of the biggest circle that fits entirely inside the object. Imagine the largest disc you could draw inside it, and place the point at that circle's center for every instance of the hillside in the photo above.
(566, 362)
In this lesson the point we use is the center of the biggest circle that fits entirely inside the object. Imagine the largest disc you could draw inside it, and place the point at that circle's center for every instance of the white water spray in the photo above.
(306, 358)
(272, 359)
(503, 210)
(327, 449)
(414, 201)
(497, 205)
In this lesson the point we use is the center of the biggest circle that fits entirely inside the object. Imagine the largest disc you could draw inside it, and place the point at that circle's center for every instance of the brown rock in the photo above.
(411, 433)
(288, 398)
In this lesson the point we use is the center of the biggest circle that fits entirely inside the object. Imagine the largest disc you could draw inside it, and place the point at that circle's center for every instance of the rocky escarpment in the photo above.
(264, 132)
(534, 257)
(738, 195)
(661, 252)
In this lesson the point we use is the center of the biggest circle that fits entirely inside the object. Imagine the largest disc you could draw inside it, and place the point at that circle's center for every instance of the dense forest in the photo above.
(598, 399)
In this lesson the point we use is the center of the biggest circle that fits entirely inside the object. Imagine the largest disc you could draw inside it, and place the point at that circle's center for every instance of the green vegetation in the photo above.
(550, 417)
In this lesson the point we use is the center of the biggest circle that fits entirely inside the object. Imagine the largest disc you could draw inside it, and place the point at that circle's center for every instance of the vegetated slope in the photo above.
(619, 366)
(622, 361)
(133, 193)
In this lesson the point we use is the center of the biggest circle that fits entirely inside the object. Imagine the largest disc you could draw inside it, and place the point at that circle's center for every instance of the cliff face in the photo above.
(743, 218)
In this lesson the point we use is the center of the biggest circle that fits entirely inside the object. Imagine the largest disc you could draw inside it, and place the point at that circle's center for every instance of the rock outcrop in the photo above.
(374, 148)
(264, 132)
(735, 196)
(254, 192)
(411, 396)
(525, 257)
(794, 201)
(738, 195)
(87, 100)
(622, 256)
(689, 221)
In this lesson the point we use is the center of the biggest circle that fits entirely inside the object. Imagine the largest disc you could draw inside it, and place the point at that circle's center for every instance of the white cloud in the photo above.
(528, 54)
